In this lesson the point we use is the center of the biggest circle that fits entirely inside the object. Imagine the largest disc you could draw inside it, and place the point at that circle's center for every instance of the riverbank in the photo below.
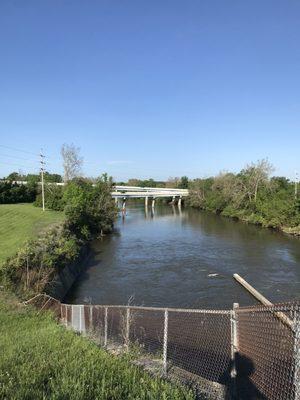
(41, 359)
(291, 231)
(255, 219)
(252, 219)
(252, 195)
(88, 211)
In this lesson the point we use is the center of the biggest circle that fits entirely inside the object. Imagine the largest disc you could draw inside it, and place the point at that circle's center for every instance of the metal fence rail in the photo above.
(251, 352)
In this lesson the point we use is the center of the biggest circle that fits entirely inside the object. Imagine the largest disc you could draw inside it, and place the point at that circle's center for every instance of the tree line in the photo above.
(12, 191)
(252, 195)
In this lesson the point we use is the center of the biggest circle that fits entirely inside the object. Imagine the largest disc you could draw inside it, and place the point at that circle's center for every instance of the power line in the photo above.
(17, 157)
(15, 149)
(18, 165)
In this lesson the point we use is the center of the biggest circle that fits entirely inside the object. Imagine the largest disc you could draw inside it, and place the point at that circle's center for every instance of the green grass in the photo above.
(19, 222)
(42, 360)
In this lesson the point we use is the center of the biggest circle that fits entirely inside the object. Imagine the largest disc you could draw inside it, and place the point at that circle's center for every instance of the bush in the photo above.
(90, 210)
(38, 261)
(249, 196)
(53, 198)
(11, 193)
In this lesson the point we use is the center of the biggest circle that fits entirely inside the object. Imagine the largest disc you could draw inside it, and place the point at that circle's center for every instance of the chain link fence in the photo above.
(243, 353)
(268, 357)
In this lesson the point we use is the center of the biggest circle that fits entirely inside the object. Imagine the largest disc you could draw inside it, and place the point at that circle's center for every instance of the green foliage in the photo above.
(297, 205)
(89, 212)
(14, 176)
(250, 196)
(20, 222)
(52, 178)
(35, 264)
(53, 198)
(184, 183)
(42, 360)
(90, 209)
(34, 178)
(143, 183)
(11, 193)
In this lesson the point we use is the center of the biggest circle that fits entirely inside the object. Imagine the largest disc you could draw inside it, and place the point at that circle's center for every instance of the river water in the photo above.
(187, 258)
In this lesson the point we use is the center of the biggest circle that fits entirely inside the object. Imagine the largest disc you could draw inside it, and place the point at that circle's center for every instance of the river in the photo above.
(186, 258)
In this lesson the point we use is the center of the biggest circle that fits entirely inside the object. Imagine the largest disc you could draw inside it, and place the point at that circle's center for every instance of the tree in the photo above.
(52, 178)
(72, 162)
(90, 210)
(184, 183)
(199, 191)
(173, 182)
(255, 175)
(15, 176)
(133, 182)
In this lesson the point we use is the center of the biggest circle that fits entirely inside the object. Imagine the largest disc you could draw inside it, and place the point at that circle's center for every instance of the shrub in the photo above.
(37, 262)
(250, 196)
(90, 210)
(11, 193)
(53, 198)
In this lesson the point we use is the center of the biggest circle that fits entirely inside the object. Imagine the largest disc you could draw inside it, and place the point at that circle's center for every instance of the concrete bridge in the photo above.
(134, 192)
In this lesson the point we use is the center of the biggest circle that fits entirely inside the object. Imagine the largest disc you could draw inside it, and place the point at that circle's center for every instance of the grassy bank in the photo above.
(19, 222)
(42, 360)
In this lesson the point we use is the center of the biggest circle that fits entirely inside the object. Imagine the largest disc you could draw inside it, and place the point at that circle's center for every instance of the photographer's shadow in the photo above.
(241, 387)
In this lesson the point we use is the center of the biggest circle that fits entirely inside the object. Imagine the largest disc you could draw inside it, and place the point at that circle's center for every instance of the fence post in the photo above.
(165, 344)
(61, 312)
(80, 319)
(72, 316)
(66, 322)
(105, 326)
(296, 358)
(127, 328)
(91, 319)
(234, 345)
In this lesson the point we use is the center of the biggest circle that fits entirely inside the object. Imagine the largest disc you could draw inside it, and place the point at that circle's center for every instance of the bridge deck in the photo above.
(142, 192)
(147, 194)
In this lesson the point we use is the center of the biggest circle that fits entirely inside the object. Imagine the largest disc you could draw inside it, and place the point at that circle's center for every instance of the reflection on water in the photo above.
(186, 258)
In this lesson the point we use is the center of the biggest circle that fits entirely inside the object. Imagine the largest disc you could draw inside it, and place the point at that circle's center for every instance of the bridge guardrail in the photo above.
(148, 189)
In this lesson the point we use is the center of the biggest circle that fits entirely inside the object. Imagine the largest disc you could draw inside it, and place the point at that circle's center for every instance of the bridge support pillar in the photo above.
(153, 202)
(146, 201)
(173, 200)
(179, 201)
(124, 204)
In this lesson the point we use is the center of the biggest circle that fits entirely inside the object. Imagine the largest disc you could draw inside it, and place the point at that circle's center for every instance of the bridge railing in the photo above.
(245, 351)
(147, 189)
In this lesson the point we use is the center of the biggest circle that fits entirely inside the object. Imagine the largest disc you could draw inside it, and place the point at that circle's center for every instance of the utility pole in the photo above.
(42, 162)
(296, 185)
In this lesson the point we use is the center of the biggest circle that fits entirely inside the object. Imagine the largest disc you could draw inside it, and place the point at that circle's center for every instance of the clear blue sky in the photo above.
(151, 88)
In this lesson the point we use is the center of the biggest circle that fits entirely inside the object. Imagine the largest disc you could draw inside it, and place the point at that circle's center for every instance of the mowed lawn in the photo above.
(42, 360)
(19, 222)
